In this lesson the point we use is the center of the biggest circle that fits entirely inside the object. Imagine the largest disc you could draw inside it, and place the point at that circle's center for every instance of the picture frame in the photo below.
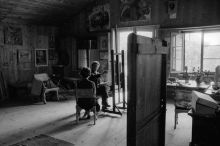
(135, 10)
(99, 18)
(13, 35)
(172, 9)
(41, 57)
(103, 42)
(24, 56)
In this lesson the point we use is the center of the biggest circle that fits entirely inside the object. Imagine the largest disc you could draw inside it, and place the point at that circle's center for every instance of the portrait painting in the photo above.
(41, 57)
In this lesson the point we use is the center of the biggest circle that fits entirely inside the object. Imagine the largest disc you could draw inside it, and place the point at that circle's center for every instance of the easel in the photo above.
(115, 69)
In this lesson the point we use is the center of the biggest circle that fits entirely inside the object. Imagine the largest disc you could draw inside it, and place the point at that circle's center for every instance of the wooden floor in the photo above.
(57, 119)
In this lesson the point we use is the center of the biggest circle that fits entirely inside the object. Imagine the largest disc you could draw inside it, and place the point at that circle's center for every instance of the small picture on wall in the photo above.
(41, 57)
(172, 9)
(104, 43)
(24, 56)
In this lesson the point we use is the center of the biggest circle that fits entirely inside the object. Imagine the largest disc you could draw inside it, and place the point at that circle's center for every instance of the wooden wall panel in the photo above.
(33, 37)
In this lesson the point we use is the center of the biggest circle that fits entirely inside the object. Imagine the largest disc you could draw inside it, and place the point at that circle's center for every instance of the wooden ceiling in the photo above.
(45, 12)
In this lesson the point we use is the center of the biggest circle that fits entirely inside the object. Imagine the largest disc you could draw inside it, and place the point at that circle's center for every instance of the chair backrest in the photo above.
(85, 93)
(45, 79)
(41, 77)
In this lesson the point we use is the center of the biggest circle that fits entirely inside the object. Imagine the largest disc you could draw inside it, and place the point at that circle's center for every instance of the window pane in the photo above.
(178, 65)
(173, 42)
(210, 64)
(212, 52)
(177, 52)
(211, 38)
(145, 33)
(193, 51)
(179, 40)
(123, 39)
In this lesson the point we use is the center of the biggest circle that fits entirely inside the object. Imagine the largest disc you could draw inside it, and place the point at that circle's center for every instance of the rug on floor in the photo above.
(43, 140)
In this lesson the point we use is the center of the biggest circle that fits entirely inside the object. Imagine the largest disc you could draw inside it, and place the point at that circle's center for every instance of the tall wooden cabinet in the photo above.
(146, 92)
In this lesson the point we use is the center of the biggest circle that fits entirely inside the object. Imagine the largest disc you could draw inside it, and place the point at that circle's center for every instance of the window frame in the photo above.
(174, 34)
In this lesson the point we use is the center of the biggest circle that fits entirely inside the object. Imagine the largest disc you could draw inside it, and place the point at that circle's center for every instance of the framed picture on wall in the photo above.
(24, 56)
(103, 54)
(41, 57)
(13, 35)
(103, 42)
(99, 18)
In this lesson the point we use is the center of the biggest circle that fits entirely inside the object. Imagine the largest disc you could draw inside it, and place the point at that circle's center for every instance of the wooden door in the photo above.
(146, 93)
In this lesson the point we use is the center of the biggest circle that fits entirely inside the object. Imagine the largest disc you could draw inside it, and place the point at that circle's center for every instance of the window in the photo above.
(196, 50)
(177, 52)
(211, 57)
(193, 51)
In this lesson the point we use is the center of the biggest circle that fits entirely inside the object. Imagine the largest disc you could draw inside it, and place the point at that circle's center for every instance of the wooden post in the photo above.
(113, 79)
(123, 77)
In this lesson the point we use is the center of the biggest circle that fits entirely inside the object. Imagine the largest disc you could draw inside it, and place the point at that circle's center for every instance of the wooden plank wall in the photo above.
(33, 37)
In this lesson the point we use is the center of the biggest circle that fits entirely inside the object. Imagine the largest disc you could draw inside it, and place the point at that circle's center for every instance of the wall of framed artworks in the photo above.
(25, 50)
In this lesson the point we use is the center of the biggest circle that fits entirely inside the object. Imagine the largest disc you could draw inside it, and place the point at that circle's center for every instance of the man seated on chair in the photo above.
(101, 89)
(86, 103)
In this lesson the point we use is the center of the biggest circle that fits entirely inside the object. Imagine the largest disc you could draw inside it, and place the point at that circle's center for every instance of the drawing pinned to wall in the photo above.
(12, 35)
(41, 57)
(172, 9)
(133, 10)
(99, 18)
(103, 42)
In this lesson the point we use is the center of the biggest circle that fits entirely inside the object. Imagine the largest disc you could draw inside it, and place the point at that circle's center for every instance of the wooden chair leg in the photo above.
(94, 110)
(57, 96)
(175, 119)
(44, 98)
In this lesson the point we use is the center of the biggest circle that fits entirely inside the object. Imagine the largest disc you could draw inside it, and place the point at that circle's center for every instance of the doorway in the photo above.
(122, 40)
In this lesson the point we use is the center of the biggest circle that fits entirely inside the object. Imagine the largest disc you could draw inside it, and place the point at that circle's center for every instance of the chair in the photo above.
(85, 93)
(44, 85)
(182, 103)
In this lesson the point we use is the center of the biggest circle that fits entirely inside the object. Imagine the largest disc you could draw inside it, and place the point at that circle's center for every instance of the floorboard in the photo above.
(57, 119)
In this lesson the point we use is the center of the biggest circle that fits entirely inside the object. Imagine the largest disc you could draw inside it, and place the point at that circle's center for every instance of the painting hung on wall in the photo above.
(172, 9)
(12, 35)
(99, 18)
(41, 57)
(24, 56)
(134, 10)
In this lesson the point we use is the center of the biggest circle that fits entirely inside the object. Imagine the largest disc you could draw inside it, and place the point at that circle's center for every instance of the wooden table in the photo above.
(190, 85)
(181, 85)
